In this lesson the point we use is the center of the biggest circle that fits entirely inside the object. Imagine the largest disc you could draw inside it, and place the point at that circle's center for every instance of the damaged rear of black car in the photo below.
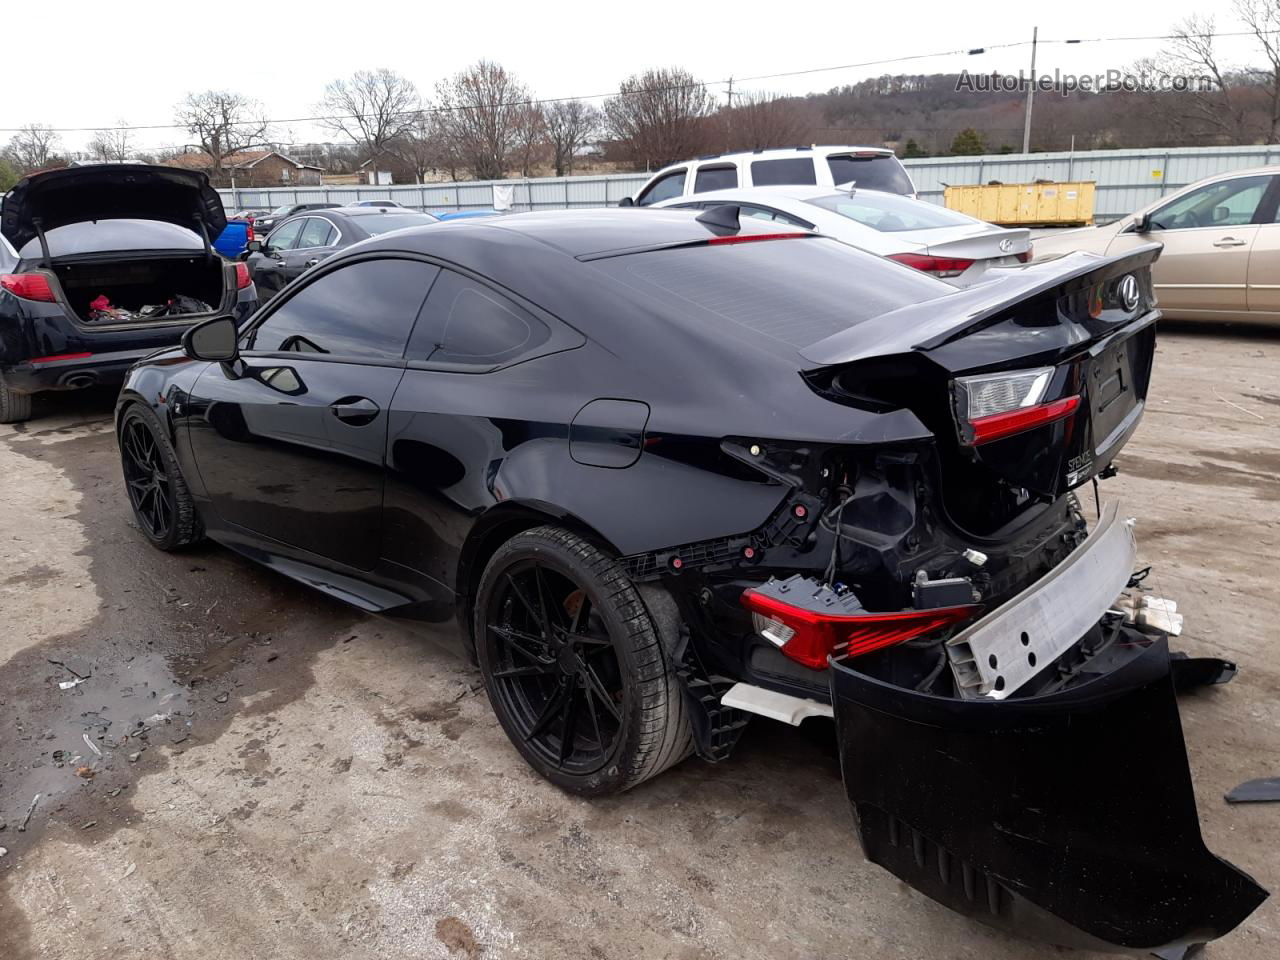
(1001, 684)
(109, 263)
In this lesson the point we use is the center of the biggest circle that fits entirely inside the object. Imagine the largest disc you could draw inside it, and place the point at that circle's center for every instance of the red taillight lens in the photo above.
(809, 636)
(248, 233)
(28, 286)
(1025, 256)
(752, 238)
(242, 275)
(938, 266)
(1000, 425)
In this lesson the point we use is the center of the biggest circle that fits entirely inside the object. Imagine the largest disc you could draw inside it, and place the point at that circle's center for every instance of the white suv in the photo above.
(872, 168)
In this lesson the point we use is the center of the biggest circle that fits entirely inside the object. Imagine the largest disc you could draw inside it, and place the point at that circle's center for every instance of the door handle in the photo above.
(1229, 242)
(313, 261)
(281, 264)
(356, 411)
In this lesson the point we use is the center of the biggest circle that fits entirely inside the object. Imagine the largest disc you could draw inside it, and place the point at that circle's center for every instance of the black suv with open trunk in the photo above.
(108, 264)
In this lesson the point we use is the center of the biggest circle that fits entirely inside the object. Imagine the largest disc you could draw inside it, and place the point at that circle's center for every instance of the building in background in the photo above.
(252, 168)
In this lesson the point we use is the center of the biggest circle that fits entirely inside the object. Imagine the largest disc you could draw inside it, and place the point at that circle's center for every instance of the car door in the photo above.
(1208, 236)
(316, 242)
(290, 444)
(270, 266)
(1264, 258)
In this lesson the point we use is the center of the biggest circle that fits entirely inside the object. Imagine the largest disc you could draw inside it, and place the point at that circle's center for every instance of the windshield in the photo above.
(395, 221)
(891, 214)
(876, 171)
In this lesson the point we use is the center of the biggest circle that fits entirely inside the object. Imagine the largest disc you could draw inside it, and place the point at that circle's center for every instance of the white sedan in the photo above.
(938, 241)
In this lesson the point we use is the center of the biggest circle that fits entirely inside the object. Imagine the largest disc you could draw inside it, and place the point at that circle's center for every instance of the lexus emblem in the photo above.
(1130, 295)
(1006, 245)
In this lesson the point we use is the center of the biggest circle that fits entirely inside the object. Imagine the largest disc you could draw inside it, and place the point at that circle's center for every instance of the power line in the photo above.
(971, 51)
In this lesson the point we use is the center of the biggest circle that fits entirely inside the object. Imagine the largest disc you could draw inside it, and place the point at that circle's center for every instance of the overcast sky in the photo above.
(100, 63)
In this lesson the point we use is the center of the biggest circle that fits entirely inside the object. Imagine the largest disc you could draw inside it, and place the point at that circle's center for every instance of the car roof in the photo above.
(784, 192)
(769, 153)
(583, 234)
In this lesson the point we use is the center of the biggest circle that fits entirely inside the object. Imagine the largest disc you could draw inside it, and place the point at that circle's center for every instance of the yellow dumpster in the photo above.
(1026, 204)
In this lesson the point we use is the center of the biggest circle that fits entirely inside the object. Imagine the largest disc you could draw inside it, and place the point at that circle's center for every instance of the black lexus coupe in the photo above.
(669, 472)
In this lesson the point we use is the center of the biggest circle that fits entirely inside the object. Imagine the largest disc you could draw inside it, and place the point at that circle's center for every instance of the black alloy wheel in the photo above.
(575, 664)
(157, 492)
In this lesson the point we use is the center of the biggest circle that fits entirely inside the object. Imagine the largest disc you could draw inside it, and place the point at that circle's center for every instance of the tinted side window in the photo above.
(364, 309)
(715, 178)
(772, 173)
(672, 185)
(468, 323)
(316, 233)
(285, 237)
(875, 172)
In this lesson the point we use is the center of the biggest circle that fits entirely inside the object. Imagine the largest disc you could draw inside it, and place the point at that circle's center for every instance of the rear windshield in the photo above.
(284, 210)
(795, 291)
(395, 221)
(891, 214)
(877, 171)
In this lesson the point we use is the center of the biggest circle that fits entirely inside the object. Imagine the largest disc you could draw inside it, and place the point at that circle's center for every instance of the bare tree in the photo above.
(33, 146)
(1217, 108)
(223, 124)
(372, 107)
(531, 137)
(659, 116)
(420, 146)
(1263, 18)
(571, 124)
(112, 145)
(483, 110)
(760, 120)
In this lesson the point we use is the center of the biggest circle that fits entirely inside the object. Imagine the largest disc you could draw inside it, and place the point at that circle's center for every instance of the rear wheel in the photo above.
(14, 407)
(161, 503)
(576, 665)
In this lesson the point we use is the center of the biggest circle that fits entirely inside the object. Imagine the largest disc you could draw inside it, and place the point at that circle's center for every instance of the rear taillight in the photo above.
(938, 266)
(997, 405)
(248, 233)
(242, 275)
(809, 635)
(1025, 256)
(28, 286)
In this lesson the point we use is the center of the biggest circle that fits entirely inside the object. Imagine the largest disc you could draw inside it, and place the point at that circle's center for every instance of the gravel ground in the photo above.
(316, 783)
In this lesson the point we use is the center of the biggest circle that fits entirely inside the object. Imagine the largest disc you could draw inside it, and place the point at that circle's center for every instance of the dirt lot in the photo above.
(318, 783)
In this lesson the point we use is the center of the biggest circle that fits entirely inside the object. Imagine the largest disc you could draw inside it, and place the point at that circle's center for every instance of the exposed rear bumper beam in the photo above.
(774, 705)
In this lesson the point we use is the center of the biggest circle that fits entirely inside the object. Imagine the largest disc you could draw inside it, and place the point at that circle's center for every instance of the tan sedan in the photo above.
(1221, 258)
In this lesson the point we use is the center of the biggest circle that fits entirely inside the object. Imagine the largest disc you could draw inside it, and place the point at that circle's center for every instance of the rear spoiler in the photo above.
(932, 323)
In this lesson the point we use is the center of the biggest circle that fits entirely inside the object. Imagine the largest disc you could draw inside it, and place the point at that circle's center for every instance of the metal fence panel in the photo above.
(1126, 179)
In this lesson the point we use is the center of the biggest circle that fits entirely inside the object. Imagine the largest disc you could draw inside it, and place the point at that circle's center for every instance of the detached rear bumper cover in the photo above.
(1068, 817)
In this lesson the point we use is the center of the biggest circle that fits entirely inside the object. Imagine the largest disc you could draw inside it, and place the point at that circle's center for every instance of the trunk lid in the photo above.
(978, 242)
(1086, 322)
(117, 191)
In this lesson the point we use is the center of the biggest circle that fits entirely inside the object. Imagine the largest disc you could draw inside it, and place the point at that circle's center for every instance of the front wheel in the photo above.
(576, 665)
(161, 503)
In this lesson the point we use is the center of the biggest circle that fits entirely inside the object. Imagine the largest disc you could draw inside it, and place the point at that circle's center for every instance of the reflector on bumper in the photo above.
(1068, 817)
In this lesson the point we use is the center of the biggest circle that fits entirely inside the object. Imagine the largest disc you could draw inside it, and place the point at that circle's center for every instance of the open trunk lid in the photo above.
(1077, 334)
(55, 198)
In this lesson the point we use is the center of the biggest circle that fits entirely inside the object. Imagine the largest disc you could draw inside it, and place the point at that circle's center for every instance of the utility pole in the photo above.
(728, 123)
(1031, 91)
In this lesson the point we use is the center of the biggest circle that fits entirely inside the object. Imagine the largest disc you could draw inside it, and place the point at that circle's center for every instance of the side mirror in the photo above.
(1142, 224)
(254, 246)
(214, 340)
(626, 202)
(1221, 213)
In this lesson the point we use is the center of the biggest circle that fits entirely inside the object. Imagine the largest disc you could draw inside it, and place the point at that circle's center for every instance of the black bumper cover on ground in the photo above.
(1068, 817)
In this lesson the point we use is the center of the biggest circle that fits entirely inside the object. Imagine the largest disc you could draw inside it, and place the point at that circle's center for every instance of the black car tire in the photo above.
(14, 407)
(183, 527)
(652, 728)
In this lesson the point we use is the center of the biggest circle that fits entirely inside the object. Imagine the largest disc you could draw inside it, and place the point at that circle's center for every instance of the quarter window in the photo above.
(465, 322)
(790, 170)
(715, 178)
(664, 188)
(364, 310)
